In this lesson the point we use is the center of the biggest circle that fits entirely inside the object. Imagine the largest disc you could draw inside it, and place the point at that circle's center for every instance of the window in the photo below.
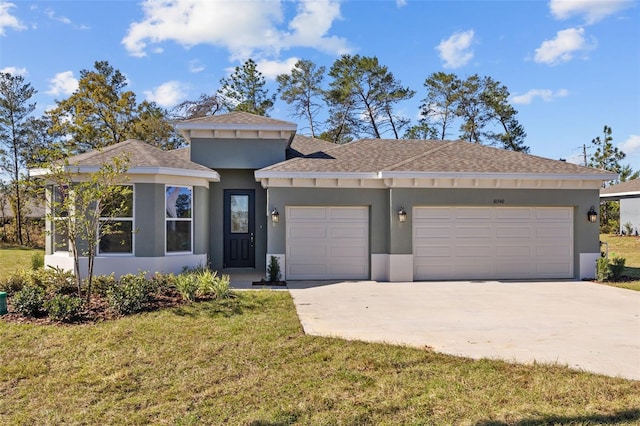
(60, 215)
(117, 225)
(178, 205)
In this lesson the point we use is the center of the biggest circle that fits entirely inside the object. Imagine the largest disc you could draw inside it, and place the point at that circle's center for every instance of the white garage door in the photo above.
(327, 243)
(492, 242)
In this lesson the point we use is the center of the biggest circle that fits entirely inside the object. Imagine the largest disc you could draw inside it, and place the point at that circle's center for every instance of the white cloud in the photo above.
(631, 146)
(401, 3)
(7, 20)
(195, 66)
(52, 15)
(62, 83)
(271, 69)
(455, 51)
(563, 47)
(546, 95)
(14, 71)
(243, 27)
(167, 94)
(591, 10)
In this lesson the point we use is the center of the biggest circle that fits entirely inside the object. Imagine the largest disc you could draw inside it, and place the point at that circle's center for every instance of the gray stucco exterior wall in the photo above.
(238, 153)
(376, 199)
(149, 220)
(236, 179)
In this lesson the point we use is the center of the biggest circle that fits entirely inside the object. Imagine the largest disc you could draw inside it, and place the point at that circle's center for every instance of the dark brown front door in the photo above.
(239, 228)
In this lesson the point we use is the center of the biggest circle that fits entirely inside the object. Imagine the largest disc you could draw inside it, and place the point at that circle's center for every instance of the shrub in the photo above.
(273, 270)
(130, 295)
(102, 283)
(63, 307)
(222, 287)
(54, 280)
(628, 228)
(29, 301)
(616, 266)
(187, 285)
(37, 261)
(609, 270)
(15, 282)
(164, 283)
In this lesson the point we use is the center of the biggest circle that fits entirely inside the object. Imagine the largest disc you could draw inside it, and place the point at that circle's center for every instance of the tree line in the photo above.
(356, 98)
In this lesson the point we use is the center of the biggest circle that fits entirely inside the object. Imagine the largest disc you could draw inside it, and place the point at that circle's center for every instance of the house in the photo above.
(249, 188)
(628, 193)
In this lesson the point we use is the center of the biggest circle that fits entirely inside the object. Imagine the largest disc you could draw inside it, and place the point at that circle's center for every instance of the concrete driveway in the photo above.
(582, 325)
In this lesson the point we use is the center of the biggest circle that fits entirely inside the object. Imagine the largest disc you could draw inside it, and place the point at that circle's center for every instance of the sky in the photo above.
(571, 66)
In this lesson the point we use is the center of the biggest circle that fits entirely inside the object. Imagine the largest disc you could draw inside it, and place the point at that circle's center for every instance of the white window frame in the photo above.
(175, 219)
(54, 219)
(123, 219)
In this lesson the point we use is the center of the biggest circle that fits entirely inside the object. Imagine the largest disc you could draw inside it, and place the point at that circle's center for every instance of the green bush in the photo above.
(273, 270)
(102, 283)
(616, 267)
(29, 301)
(54, 280)
(222, 288)
(609, 270)
(188, 285)
(37, 261)
(63, 307)
(131, 294)
(164, 283)
(15, 282)
(628, 228)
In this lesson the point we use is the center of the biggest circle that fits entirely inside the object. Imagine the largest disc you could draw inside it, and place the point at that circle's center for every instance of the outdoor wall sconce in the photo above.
(275, 216)
(592, 215)
(402, 215)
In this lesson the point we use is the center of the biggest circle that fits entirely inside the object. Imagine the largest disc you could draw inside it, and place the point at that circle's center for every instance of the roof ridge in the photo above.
(443, 145)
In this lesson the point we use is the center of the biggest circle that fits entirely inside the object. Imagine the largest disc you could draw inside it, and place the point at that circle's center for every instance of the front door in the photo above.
(239, 228)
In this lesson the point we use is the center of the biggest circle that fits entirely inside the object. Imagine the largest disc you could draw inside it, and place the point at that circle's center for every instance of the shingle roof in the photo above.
(302, 146)
(629, 187)
(418, 156)
(237, 118)
(140, 155)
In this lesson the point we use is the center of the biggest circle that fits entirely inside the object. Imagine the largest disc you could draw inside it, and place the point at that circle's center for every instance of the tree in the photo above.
(14, 113)
(471, 109)
(244, 90)
(101, 113)
(607, 157)
(365, 92)
(422, 130)
(438, 108)
(302, 89)
(204, 106)
(80, 205)
(496, 98)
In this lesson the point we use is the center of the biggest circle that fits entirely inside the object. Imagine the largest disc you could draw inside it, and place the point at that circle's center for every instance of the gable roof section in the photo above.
(419, 159)
(143, 159)
(629, 189)
(236, 120)
(305, 146)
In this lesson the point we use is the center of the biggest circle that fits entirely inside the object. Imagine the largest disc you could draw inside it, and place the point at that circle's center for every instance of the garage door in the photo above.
(327, 243)
(492, 242)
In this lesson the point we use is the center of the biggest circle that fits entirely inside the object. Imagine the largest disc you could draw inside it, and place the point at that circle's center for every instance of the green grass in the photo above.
(13, 258)
(629, 248)
(246, 361)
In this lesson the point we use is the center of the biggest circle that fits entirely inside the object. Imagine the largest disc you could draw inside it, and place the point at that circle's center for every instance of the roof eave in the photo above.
(477, 175)
(210, 175)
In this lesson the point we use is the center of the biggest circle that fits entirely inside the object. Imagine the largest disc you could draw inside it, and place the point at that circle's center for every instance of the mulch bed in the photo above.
(97, 311)
(269, 283)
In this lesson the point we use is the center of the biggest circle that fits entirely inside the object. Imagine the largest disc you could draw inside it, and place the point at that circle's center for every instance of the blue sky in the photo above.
(571, 66)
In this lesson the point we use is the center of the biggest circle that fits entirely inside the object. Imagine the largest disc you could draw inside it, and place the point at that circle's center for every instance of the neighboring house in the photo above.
(249, 188)
(628, 193)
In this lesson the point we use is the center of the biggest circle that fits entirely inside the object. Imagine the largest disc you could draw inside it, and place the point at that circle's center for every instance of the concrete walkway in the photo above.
(582, 325)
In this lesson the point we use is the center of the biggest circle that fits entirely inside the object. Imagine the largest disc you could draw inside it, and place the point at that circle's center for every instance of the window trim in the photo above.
(178, 219)
(131, 219)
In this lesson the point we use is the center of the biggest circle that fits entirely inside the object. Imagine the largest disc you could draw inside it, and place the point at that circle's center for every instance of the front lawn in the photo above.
(246, 361)
(629, 248)
(13, 258)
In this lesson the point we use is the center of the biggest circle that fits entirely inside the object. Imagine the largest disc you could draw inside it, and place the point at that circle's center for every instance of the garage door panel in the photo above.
(327, 242)
(513, 231)
(493, 242)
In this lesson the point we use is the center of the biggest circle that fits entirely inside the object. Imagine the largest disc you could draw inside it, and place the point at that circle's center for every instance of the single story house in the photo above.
(628, 193)
(248, 188)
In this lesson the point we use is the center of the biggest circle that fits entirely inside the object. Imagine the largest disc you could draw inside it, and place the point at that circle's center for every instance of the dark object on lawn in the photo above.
(3, 303)
(272, 283)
